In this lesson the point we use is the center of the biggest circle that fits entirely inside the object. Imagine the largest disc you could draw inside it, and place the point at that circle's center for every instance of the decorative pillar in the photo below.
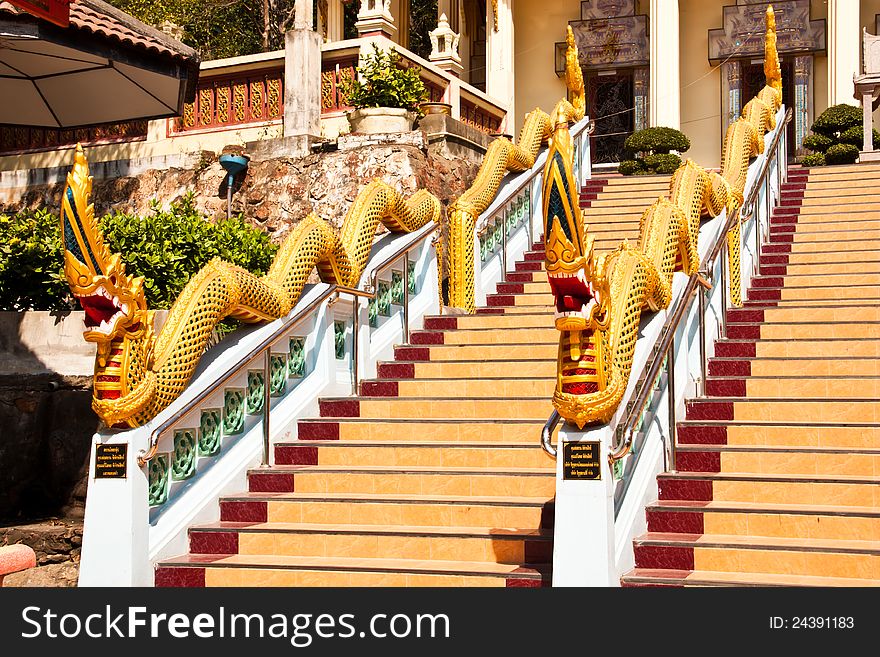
(374, 18)
(664, 108)
(843, 50)
(302, 75)
(731, 92)
(444, 48)
(499, 59)
(641, 83)
(335, 20)
(803, 100)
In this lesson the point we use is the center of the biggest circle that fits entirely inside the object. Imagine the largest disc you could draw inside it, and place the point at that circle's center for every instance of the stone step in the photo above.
(741, 555)
(778, 409)
(254, 570)
(661, 577)
(511, 370)
(843, 490)
(504, 546)
(388, 510)
(816, 433)
(792, 367)
(504, 386)
(507, 430)
(496, 353)
(793, 387)
(759, 519)
(392, 452)
(525, 408)
(775, 459)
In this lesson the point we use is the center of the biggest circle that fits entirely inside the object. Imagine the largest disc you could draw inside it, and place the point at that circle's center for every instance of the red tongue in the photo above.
(97, 309)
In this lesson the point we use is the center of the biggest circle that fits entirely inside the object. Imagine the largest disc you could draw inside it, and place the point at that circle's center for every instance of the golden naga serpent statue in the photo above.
(599, 302)
(502, 156)
(138, 372)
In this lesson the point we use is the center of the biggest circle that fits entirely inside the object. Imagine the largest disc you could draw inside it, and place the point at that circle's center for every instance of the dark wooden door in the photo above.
(611, 104)
(753, 80)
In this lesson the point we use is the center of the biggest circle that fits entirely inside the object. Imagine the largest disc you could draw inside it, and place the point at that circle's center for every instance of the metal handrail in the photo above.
(589, 125)
(288, 324)
(665, 343)
(547, 434)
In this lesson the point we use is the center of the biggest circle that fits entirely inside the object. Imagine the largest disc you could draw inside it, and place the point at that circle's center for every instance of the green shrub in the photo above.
(837, 119)
(665, 163)
(842, 154)
(837, 136)
(818, 143)
(632, 167)
(381, 81)
(657, 140)
(31, 263)
(166, 247)
(855, 136)
(813, 160)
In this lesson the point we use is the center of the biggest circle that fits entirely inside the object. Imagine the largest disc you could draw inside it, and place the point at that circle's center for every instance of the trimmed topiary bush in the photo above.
(814, 160)
(632, 167)
(836, 119)
(657, 140)
(665, 163)
(837, 136)
(855, 136)
(649, 151)
(818, 143)
(842, 154)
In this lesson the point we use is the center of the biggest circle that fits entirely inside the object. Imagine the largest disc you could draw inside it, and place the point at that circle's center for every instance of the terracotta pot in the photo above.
(375, 120)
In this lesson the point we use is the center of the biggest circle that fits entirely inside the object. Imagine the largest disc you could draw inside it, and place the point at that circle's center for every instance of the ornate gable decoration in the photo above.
(743, 31)
(609, 34)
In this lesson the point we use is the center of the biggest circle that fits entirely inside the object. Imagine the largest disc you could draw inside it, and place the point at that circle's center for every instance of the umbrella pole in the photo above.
(229, 197)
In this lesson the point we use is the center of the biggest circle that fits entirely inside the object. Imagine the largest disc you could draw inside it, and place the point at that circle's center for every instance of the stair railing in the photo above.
(519, 202)
(760, 192)
(599, 511)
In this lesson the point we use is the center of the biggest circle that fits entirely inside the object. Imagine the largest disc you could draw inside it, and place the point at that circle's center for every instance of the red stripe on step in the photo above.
(179, 577)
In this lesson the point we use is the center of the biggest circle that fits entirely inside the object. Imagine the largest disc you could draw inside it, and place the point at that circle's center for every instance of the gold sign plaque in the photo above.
(581, 460)
(110, 461)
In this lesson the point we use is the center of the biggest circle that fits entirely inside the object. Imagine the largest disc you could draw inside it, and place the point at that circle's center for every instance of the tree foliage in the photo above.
(837, 135)
(166, 247)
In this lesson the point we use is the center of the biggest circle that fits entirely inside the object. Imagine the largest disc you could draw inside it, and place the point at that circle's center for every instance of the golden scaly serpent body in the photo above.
(139, 373)
(599, 305)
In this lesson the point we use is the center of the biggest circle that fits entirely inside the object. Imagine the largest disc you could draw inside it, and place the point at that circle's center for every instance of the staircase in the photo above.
(612, 207)
(778, 469)
(433, 476)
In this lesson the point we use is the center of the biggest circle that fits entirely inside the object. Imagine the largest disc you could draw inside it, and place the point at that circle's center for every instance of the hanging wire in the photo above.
(688, 85)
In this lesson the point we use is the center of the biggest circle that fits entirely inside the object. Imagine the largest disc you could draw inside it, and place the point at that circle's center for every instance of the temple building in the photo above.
(653, 62)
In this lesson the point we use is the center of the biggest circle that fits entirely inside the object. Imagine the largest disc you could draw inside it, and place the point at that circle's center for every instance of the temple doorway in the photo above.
(610, 99)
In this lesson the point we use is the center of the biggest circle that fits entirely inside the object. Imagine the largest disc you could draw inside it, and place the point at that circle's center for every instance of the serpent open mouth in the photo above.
(103, 311)
(577, 300)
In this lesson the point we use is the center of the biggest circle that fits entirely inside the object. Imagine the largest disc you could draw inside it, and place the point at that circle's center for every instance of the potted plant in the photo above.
(385, 95)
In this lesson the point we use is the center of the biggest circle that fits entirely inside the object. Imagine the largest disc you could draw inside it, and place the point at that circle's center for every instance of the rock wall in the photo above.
(275, 193)
(47, 425)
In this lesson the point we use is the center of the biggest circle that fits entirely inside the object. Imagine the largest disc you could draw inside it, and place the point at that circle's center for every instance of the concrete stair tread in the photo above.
(760, 542)
(416, 420)
(775, 477)
(773, 423)
(771, 449)
(758, 377)
(394, 498)
(713, 506)
(358, 564)
(718, 578)
(410, 469)
(390, 530)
